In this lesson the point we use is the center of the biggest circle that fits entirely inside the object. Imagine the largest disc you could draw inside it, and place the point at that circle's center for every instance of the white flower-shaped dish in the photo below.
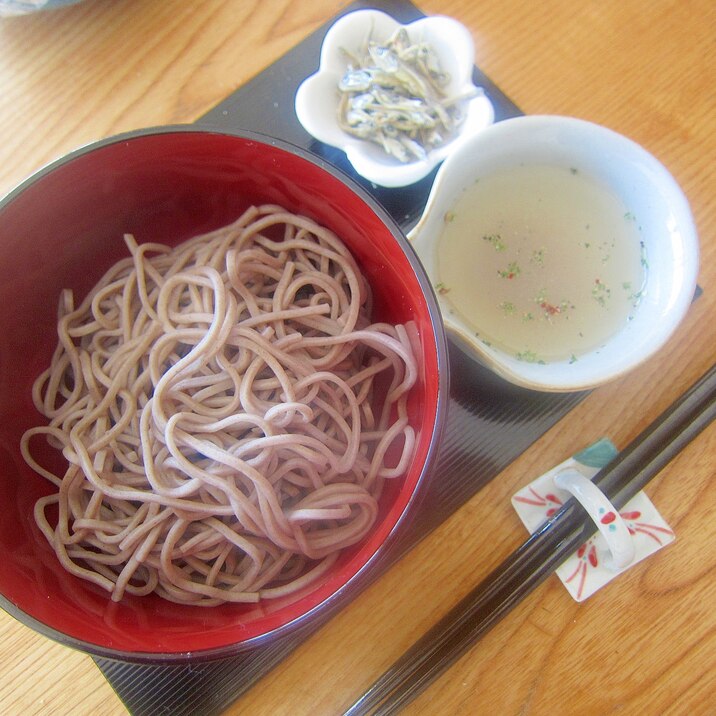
(318, 96)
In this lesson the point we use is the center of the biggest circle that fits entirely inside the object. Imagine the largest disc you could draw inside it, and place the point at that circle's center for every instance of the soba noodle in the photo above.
(226, 410)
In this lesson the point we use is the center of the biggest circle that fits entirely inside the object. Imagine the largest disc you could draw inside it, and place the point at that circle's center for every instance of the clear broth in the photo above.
(541, 261)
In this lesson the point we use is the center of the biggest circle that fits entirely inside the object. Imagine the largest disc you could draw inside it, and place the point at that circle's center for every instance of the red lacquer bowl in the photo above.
(63, 227)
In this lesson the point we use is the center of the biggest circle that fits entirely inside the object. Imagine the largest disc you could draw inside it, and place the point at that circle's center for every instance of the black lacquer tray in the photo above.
(490, 422)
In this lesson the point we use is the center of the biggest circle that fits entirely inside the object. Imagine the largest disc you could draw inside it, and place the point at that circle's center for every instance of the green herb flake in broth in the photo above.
(508, 308)
(495, 240)
(635, 298)
(538, 257)
(601, 293)
(513, 270)
(529, 356)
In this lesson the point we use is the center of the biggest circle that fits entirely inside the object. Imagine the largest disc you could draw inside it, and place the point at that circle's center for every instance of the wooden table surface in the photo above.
(646, 644)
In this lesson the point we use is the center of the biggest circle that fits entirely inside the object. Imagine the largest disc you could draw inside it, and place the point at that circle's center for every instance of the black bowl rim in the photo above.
(323, 610)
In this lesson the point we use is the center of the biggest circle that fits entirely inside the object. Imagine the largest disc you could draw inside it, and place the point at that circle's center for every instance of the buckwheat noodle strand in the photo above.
(227, 411)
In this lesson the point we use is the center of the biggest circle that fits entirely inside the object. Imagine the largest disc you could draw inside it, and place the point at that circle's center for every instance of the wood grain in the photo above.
(644, 645)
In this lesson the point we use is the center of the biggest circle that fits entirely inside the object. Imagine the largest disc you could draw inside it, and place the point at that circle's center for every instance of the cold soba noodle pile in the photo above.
(216, 404)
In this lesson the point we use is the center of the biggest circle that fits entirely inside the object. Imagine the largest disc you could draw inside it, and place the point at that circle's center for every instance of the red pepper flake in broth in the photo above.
(549, 308)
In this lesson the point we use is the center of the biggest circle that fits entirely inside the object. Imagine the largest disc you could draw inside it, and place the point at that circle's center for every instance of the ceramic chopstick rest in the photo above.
(604, 515)
(622, 538)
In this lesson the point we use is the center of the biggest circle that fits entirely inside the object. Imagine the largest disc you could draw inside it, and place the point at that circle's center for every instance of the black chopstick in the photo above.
(540, 555)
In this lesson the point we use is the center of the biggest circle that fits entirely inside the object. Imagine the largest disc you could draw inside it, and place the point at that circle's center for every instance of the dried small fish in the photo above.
(393, 94)
(355, 81)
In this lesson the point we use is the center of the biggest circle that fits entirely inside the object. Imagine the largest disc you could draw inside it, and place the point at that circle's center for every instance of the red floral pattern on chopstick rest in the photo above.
(584, 572)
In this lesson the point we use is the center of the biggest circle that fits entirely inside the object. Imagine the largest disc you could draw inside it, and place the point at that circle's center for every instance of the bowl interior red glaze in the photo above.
(63, 228)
